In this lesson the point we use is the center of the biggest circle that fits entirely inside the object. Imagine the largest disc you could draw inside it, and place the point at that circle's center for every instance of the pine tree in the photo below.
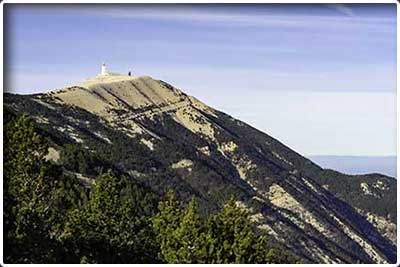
(191, 236)
(29, 205)
(227, 237)
(181, 232)
(108, 229)
(165, 224)
(232, 239)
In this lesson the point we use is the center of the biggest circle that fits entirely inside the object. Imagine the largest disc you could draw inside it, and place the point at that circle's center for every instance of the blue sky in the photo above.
(320, 78)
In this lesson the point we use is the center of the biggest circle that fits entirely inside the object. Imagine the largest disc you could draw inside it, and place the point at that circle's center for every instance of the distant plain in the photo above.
(359, 164)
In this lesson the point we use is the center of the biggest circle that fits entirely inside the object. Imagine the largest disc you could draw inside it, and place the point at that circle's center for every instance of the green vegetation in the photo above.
(50, 217)
(345, 187)
(225, 237)
(35, 200)
(54, 212)
(76, 158)
(106, 152)
(112, 226)
(348, 188)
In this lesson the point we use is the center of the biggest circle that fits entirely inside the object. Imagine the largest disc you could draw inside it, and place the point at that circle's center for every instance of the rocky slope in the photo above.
(165, 138)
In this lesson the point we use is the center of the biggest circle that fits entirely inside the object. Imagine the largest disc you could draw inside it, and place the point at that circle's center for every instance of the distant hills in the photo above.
(358, 164)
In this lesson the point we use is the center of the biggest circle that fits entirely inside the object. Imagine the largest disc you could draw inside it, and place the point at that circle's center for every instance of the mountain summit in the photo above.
(164, 138)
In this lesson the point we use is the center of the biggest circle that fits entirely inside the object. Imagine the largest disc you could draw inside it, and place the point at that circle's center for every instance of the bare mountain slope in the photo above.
(164, 138)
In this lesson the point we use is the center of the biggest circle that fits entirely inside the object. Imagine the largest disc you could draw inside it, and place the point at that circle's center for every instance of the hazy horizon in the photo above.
(358, 164)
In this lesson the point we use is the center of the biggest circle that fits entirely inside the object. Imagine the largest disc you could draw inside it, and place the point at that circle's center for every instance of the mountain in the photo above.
(359, 164)
(164, 138)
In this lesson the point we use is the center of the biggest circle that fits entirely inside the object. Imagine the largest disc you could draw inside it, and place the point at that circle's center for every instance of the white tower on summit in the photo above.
(103, 69)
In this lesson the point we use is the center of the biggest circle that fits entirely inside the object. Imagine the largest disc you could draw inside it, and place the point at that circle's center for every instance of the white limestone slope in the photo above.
(98, 95)
(119, 99)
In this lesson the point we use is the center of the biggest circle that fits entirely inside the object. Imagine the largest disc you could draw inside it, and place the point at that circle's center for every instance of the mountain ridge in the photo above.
(174, 139)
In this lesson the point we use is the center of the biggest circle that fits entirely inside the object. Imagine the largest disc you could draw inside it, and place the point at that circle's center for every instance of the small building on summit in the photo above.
(104, 72)
(103, 69)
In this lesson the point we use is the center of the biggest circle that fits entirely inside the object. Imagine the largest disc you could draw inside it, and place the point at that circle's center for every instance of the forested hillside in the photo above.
(52, 217)
(103, 155)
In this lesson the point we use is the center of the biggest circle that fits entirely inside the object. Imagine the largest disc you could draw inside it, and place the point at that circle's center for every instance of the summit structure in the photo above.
(104, 72)
(103, 69)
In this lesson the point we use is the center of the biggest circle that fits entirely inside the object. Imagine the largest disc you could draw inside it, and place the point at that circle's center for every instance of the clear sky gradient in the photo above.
(320, 78)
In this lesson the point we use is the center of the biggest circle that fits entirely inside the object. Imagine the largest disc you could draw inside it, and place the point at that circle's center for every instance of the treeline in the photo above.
(50, 217)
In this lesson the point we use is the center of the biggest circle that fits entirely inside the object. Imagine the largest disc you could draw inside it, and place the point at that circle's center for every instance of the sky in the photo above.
(319, 78)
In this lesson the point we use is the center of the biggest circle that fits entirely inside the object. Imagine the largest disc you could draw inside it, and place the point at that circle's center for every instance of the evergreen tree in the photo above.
(30, 212)
(165, 224)
(191, 236)
(76, 158)
(227, 237)
(108, 229)
(180, 232)
(231, 238)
